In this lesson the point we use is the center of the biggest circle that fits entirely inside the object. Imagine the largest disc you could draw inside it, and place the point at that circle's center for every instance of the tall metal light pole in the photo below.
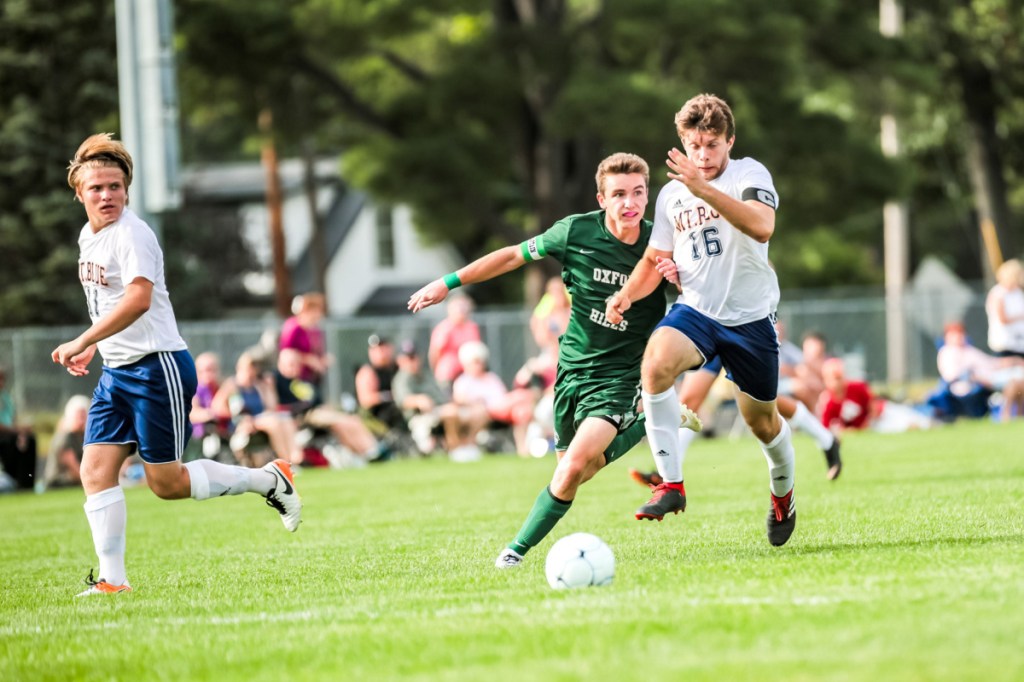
(895, 216)
(147, 86)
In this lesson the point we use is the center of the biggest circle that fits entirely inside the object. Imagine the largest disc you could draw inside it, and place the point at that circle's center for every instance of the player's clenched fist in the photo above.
(616, 307)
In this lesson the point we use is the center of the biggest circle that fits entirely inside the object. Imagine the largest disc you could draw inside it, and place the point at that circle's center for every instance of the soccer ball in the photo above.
(579, 560)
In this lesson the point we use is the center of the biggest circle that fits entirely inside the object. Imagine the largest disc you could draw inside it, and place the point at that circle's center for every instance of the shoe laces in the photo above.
(663, 489)
(272, 501)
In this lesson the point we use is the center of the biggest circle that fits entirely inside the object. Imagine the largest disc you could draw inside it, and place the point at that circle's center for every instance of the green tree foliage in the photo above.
(489, 120)
(58, 79)
(963, 103)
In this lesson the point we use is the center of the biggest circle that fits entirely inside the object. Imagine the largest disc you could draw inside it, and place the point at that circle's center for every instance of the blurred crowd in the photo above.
(446, 401)
(269, 402)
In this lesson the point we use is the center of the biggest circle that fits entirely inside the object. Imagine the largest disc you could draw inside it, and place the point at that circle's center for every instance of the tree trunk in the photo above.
(282, 279)
(984, 161)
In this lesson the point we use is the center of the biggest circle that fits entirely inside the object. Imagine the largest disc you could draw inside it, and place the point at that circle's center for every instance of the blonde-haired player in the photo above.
(144, 394)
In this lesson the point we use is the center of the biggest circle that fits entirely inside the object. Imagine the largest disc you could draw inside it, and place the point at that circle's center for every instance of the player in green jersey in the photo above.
(597, 384)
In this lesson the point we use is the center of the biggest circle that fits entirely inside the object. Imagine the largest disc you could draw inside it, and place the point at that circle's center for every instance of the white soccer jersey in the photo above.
(110, 259)
(724, 273)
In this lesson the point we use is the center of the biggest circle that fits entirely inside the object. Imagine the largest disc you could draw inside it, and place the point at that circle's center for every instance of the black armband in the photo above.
(766, 197)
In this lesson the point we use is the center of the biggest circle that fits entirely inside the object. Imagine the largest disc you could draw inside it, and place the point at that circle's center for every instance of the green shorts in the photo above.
(581, 393)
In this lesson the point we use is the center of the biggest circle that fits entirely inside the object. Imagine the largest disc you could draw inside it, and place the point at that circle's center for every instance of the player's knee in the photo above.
(764, 427)
(170, 488)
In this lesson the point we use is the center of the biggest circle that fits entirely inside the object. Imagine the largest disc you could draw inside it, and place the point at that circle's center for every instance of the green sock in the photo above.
(625, 441)
(546, 512)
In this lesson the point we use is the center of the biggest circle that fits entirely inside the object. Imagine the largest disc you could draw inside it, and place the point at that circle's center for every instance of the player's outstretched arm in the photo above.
(644, 279)
(487, 267)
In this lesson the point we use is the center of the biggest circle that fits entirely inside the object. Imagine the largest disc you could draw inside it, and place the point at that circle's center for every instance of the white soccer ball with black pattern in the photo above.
(579, 560)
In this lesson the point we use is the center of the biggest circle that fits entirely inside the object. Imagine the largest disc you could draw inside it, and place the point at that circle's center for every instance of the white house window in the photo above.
(385, 237)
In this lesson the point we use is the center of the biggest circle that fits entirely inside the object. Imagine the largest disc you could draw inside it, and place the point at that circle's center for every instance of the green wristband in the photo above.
(452, 281)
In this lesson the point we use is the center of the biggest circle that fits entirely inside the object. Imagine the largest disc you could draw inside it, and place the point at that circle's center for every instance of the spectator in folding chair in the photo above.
(1004, 306)
(373, 391)
(447, 338)
(249, 401)
(480, 389)
(970, 376)
(64, 461)
(17, 441)
(302, 399)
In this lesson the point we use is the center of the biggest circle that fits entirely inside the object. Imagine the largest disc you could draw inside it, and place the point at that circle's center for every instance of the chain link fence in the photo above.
(855, 326)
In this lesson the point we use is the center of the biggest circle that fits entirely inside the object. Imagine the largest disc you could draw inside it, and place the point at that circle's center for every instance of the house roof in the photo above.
(388, 298)
(247, 180)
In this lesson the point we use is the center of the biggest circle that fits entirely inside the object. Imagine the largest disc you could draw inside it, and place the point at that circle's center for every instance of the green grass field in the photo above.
(909, 567)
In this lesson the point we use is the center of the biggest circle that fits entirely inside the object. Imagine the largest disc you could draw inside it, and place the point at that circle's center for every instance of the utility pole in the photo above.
(148, 94)
(895, 218)
(268, 156)
(318, 241)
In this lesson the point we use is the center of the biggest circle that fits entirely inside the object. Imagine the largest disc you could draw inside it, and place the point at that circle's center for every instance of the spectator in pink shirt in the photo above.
(302, 332)
(448, 336)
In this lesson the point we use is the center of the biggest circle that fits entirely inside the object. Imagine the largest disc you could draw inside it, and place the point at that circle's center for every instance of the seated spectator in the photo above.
(807, 384)
(249, 401)
(425, 408)
(968, 371)
(484, 393)
(791, 356)
(1004, 306)
(373, 387)
(204, 419)
(67, 446)
(302, 332)
(17, 442)
(848, 404)
(550, 317)
(448, 337)
(538, 375)
(302, 400)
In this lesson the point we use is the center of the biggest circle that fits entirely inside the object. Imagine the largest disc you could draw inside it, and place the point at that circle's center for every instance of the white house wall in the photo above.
(354, 272)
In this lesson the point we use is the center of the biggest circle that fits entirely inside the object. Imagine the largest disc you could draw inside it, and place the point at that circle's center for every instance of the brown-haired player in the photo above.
(597, 389)
(714, 220)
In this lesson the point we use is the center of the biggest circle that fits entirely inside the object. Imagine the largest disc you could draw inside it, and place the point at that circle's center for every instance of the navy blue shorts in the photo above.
(749, 352)
(145, 405)
(712, 366)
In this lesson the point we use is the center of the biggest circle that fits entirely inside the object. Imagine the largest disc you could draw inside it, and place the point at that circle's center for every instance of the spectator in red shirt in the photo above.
(845, 404)
(849, 404)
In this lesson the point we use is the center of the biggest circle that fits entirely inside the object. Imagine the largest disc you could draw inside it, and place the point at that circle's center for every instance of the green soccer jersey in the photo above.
(596, 265)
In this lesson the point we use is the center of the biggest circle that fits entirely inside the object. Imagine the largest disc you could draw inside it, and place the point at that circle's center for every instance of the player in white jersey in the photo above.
(145, 392)
(714, 219)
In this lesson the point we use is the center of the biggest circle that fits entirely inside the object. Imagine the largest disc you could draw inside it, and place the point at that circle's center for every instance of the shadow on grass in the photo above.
(822, 548)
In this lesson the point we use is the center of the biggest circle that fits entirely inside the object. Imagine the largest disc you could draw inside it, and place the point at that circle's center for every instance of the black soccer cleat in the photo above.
(781, 519)
(835, 463)
(665, 500)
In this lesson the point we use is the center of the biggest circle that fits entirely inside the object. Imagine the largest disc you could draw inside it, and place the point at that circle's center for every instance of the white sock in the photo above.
(662, 426)
(805, 421)
(213, 479)
(686, 436)
(781, 461)
(108, 518)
